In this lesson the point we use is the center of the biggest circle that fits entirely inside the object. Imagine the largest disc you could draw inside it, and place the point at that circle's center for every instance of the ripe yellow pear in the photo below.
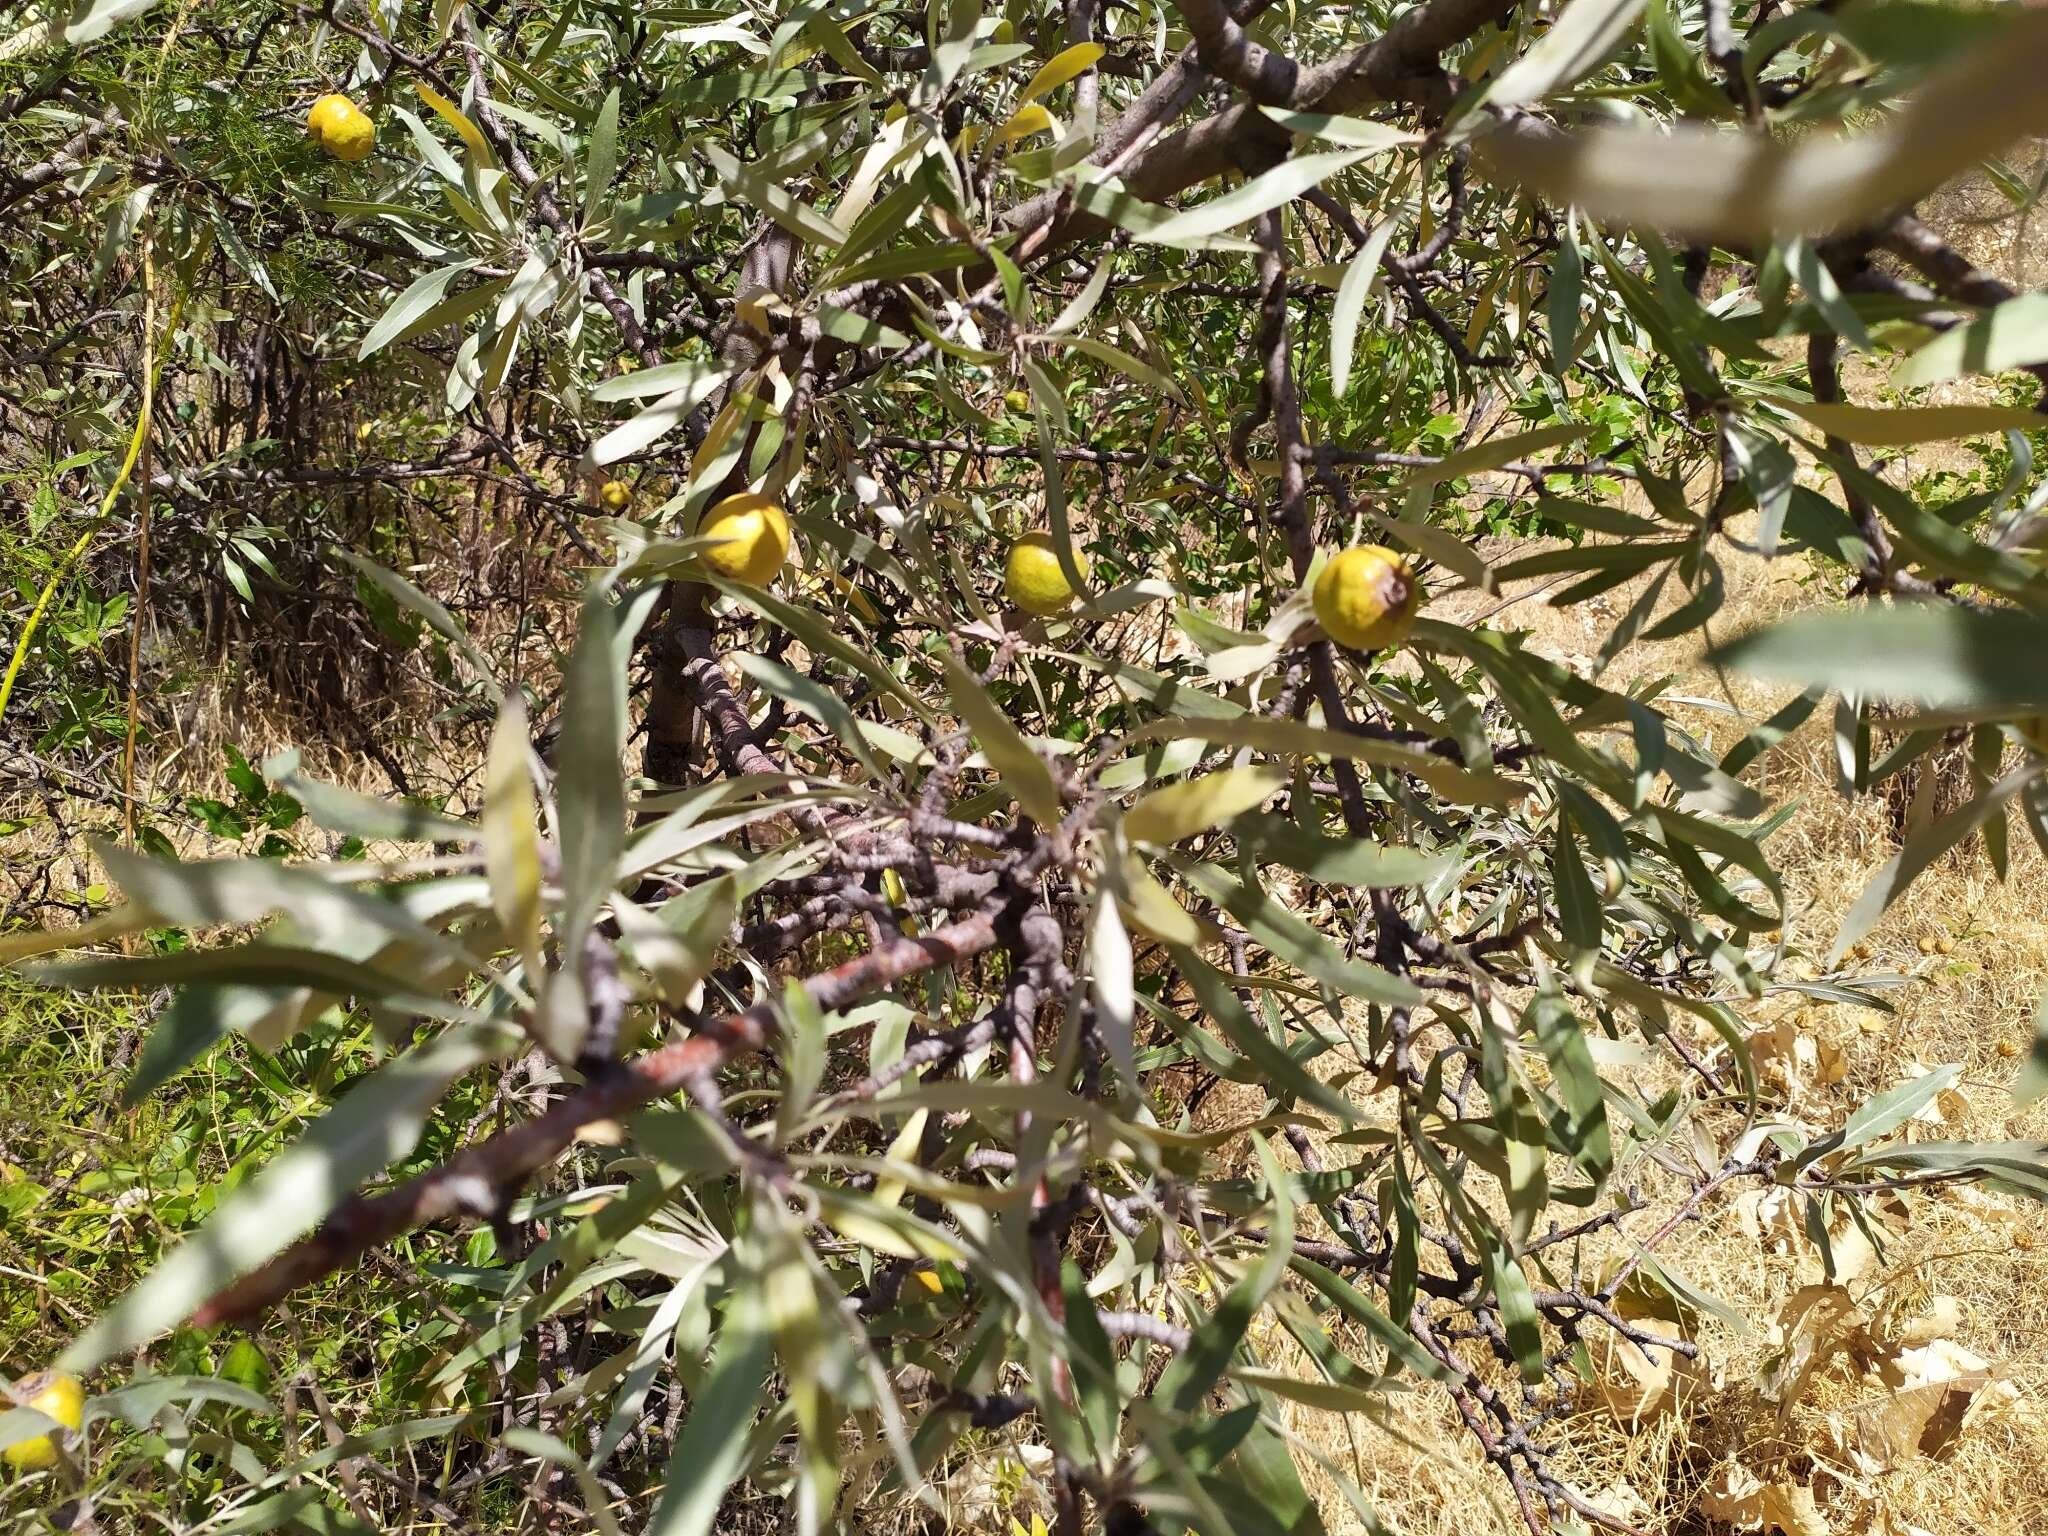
(1366, 597)
(755, 537)
(1032, 578)
(341, 128)
(63, 1399)
(616, 495)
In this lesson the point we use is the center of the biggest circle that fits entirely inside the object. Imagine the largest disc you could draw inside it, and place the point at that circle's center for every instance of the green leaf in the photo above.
(1576, 44)
(1200, 804)
(1195, 1370)
(420, 299)
(1092, 1361)
(696, 378)
(1007, 751)
(375, 1123)
(1346, 861)
(511, 834)
(601, 158)
(1350, 132)
(1283, 1074)
(1882, 1115)
(1561, 304)
(711, 1452)
(1517, 1309)
(1746, 188)
(1282, 184)
(1879, 428)
(591, 800)
(1292, 939)
(1399, 1344)
(1349, 305)
(1295, 738)
(1491, 455)
(1111, 984)
(794, 215)
(1562, 1039)
(1935, 654)
(443, 623)
(2011, 335)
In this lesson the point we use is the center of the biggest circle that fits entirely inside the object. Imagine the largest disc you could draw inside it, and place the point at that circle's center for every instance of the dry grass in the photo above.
(1973, 1006)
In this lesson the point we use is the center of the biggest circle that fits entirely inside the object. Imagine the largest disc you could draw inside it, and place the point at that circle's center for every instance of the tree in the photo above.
(895, 966)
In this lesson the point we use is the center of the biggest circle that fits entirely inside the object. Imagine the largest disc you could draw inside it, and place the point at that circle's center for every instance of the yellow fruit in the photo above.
(1032, 578)
(930, 1280)
(340, 127)
(63, 1399)
(1017, 400)
(1927, 945)
(1944, 946)
(755, 534)
(1366, 597)
(616, 494)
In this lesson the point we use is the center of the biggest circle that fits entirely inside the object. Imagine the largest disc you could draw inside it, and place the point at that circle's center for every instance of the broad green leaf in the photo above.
(422, 296)
(773, 199)
(1517, 1309)
(1883, 1114)
(1111, 984)
(590, 796)
(601, 158)
(1290, 937)
(1007, 751)
(1350, 132)
(1496, 452)
(1936, 654)
(1881, 428)
(1349, 305)
(1744, 188)
(1282, 184)
(1921, 850)
(710, 1452)
(1292, 737)
(1182, 810)
(693, 377)
(1346, 861)
(1578, 42)
(375, 1123)
(2011, 335)
(511, 834)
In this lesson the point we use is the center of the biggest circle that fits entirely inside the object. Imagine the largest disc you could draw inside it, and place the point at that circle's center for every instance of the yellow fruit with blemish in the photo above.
(616, 495)
(1366, 597)
(1032, 578)
(753, 535)
(341, 128)
(63, 1399)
